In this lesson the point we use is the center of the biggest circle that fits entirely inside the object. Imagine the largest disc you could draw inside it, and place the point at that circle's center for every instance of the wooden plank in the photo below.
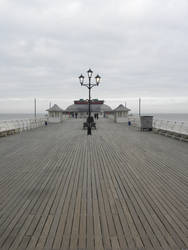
(96, 215)
(65, 210)
(90, 222)
(44, 234)
(99, 182)
(117, 189)
(83, 213)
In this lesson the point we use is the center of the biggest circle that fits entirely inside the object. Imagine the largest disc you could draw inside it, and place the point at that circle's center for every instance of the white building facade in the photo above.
(55, 114)
(119, 114)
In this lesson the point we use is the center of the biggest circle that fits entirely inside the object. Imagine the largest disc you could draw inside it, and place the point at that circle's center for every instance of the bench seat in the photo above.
(86, 124)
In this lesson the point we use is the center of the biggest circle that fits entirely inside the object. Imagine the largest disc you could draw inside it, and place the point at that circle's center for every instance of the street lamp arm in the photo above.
(86, 85)
(93, 85)
(89, 86)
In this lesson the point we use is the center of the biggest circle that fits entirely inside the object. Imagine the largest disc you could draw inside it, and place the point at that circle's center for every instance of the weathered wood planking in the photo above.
(117, 189)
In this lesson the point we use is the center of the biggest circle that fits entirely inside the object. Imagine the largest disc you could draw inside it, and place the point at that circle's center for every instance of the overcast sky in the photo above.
(139, 47)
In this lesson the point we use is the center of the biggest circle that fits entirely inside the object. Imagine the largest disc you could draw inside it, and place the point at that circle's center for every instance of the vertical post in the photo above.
(35, 109)
(89, 124)
(139, 106)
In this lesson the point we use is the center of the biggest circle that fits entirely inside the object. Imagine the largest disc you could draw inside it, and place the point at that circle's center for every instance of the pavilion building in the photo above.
(80, 108)
(55, 114)
(119, 114)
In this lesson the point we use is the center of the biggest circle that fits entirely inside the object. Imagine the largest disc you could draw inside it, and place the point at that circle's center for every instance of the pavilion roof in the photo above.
(55, 108)
(121, 107)
(84, 108)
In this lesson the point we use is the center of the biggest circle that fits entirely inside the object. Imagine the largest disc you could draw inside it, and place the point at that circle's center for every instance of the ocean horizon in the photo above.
(19, 116)
(179, 117)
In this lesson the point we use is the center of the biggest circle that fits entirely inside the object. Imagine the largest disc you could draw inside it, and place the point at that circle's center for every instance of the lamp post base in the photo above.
(89, 130)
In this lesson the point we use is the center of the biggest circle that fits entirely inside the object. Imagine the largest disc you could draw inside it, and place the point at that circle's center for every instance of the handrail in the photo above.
(167, 125)
(171, 126)
(21, 125)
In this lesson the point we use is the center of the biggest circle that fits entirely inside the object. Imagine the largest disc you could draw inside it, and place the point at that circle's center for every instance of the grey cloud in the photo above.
(139, 47)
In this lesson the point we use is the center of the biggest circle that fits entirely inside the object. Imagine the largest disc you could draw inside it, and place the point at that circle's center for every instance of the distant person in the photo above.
(46, 123)
(97, 116)
(76, 114)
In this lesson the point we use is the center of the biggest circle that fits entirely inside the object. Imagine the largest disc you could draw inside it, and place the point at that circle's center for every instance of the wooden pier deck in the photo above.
(117, 189)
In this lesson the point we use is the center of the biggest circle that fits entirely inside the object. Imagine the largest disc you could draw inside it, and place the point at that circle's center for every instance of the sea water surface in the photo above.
(179, 117)
(172, 117)
(19, 116)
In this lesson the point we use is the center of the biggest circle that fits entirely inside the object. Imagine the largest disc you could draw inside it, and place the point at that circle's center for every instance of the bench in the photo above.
(86, 125)
(91, 121)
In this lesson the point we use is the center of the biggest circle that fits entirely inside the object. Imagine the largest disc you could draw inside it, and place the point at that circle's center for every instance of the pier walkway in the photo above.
(117, 189)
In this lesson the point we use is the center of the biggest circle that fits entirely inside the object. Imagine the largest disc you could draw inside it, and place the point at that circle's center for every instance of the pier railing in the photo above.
(13, 126)
(163, 125)
(174, 126)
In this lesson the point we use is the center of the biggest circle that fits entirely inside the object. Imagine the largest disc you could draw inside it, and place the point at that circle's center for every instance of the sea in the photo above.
(178, 117)
(19, 116)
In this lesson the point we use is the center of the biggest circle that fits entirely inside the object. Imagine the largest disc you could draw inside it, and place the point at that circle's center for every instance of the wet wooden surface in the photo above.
(117, 189)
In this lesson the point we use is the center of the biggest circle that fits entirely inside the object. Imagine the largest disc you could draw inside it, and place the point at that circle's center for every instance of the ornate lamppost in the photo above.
(89, 86)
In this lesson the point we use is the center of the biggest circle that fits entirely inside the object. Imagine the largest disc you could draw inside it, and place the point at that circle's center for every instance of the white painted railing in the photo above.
(170, 126)
(13, 126)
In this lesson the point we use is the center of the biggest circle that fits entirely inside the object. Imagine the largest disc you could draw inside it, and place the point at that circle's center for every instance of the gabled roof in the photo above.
(55, 108)
(121, 108)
